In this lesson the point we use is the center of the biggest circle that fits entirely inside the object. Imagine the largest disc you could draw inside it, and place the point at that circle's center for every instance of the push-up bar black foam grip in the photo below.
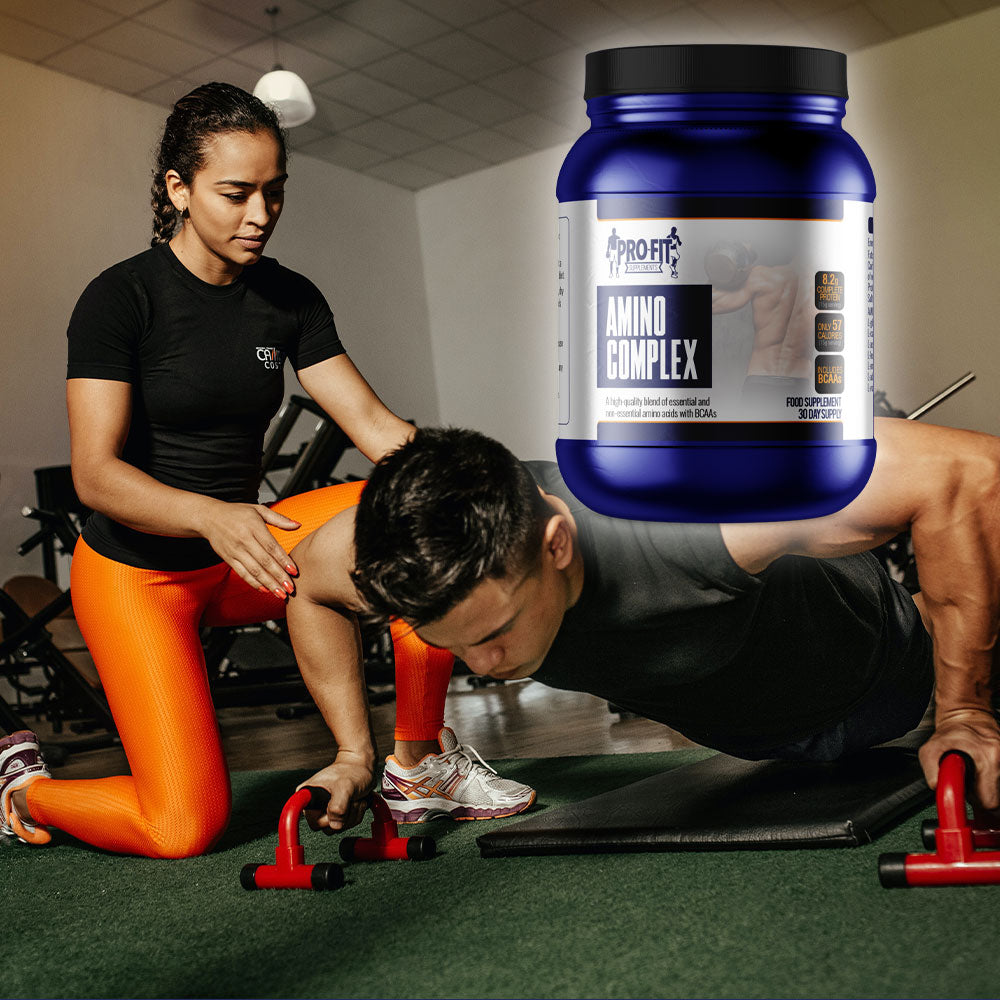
(722, 803)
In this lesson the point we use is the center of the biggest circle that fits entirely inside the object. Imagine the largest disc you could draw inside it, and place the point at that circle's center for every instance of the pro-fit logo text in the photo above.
(271, 357)
(643, 255)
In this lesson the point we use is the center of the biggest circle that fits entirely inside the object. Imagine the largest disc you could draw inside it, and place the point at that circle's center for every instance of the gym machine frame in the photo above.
(67, 694)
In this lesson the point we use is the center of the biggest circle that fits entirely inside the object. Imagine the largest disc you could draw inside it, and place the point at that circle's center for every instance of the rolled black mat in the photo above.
(722, 804)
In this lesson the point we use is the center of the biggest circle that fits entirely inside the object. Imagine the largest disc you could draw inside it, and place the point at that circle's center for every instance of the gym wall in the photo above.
(924, 110)
(447, 299)
(76, 161)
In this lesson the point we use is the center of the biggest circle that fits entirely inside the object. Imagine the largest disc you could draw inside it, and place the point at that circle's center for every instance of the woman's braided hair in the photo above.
(207, 111)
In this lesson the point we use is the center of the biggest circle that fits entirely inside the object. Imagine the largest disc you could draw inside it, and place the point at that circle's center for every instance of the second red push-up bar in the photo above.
(962, 852)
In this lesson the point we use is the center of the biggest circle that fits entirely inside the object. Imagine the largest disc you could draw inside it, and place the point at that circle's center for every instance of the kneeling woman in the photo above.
(175, 361)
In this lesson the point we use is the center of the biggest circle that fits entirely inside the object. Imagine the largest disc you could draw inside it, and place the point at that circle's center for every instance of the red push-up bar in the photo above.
(385, 843)
(958, 857)
(290, 870)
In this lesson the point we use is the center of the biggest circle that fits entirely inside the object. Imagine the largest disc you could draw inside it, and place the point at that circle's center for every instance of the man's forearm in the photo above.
(327, 646)
(956, 542)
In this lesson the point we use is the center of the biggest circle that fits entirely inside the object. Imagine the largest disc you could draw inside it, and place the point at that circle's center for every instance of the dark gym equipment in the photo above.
(959, 849)
(722, 804)
(312, 465)
(62, 515)
(65, 696)
(37, 630)
(290, 870)
(385, 844)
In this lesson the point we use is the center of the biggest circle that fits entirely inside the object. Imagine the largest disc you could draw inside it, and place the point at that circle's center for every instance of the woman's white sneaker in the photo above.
(21, 763)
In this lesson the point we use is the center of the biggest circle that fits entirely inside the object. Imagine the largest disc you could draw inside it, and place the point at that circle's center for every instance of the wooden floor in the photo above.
(518, 719)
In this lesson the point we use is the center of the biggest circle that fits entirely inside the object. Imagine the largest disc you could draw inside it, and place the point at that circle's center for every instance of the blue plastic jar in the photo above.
(716, 295)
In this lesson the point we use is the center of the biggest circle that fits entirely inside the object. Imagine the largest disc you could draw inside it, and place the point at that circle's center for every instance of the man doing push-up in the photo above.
(785, 640)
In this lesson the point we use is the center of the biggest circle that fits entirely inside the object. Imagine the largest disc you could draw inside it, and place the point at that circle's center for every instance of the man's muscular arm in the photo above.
(944, 485)
(325, 636)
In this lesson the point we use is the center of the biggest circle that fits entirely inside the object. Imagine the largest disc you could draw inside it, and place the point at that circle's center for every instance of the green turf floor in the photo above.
(80, 923)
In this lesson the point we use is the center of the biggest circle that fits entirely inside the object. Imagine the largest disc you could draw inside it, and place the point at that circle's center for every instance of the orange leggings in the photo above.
(142, 628)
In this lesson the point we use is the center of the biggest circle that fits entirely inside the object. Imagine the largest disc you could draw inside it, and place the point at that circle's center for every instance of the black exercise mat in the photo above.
(723, 804)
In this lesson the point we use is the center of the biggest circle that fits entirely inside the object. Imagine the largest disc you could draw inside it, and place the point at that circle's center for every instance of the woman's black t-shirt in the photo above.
(205, 365)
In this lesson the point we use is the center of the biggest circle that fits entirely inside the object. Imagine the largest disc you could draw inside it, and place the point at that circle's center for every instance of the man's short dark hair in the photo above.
(444, 512)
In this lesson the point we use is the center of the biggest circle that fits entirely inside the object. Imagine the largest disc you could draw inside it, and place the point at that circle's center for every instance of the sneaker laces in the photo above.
(460, 757)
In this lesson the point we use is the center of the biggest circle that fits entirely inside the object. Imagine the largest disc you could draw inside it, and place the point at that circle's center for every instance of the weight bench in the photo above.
(722, 803)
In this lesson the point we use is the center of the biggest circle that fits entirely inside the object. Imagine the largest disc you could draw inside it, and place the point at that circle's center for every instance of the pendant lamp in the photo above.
(284, 90)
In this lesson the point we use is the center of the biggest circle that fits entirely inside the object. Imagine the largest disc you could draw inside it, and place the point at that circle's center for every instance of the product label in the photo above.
(677, 323)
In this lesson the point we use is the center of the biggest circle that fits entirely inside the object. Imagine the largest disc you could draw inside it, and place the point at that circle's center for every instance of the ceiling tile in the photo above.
(167, 93)
(430, 120)
(311, 66)
(337, 149)
(124, 7)
(386, 137)
(965, 7)
(567, 68)
(638, 11)
(537, 131)
(339, 41)
(631, 34)
(491, 146)
(459, 13)
(394, 20)
(71, 18)
(754, 16)
(797, 33)
(529, 89)
(905, 16)
(851, 28)
(411, 176)
(572, 115)
(578, 20)
(300, 135)
(226, 71)
(200, 24)
(105, 68)
(801, 10)
(447, 160)
(333, 116)
(479, 105)
(425, 89)
(519, 36)
(463, 54)
(687, 25)
(292, 12)
(26, 41)
(360, 91)
(132, 40)
(413, 74)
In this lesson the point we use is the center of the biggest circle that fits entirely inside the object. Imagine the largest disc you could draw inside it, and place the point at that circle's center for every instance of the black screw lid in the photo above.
(682, 69)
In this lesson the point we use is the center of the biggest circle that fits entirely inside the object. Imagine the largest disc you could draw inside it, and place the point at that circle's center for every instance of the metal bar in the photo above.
(941, 396)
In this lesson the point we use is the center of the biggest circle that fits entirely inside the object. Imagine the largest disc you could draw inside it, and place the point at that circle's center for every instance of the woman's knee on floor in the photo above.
(189, 827)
